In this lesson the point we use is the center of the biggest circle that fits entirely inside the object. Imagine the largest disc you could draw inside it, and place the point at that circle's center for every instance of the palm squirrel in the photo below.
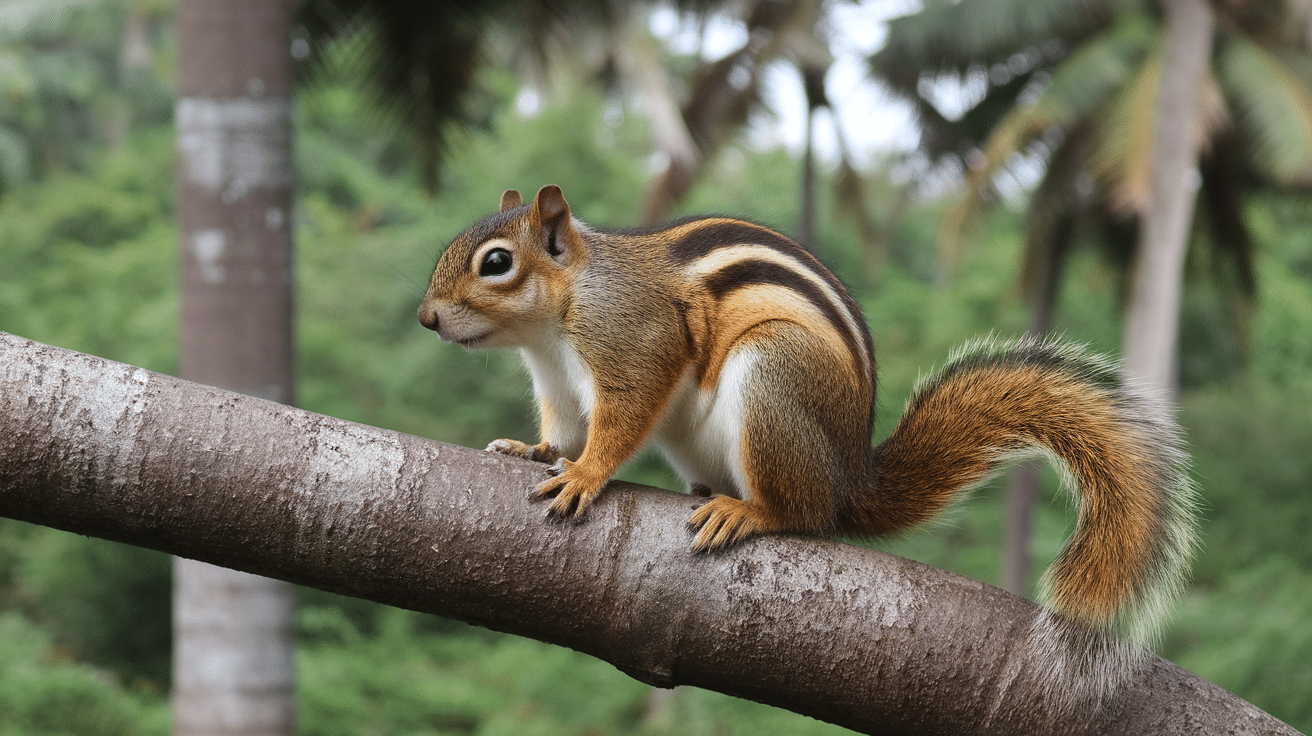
(751, 367)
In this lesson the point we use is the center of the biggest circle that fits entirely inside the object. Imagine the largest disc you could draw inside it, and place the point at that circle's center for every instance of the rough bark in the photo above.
(1152, 322)
(233, 632)
(866, 640)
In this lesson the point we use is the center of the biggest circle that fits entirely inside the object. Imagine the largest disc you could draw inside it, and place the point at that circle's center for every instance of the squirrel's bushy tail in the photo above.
(1116, 446)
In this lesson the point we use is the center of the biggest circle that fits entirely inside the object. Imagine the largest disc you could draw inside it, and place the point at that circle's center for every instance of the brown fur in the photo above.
(953, 438)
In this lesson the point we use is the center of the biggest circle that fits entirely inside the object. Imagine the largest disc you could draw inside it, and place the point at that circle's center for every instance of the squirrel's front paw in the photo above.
(573, 487)
(543, 452)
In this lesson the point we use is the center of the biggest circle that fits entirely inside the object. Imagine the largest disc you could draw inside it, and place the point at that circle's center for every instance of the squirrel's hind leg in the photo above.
(793, 471)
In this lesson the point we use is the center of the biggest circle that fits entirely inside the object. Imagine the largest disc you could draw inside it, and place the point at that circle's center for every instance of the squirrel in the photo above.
(750, 366)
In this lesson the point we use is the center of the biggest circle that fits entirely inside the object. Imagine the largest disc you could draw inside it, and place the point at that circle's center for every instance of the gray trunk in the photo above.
(1026, 482)
(233, 632)
(1153, 314)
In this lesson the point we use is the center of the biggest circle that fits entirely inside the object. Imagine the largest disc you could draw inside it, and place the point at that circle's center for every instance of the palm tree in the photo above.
(1078, 85)
(1179, 122)
(233, 632)
(1074, 84)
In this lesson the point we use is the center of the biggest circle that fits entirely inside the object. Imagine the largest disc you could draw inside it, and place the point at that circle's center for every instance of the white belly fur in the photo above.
(560, 375)
(701, 432)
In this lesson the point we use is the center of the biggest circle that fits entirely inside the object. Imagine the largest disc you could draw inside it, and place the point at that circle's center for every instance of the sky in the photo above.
(871, 121)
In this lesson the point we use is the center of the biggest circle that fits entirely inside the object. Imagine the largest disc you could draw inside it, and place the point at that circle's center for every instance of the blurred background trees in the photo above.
(1029, 175)
(1059, 95)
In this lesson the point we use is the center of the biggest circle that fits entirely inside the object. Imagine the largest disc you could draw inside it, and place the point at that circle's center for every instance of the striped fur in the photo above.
(748, 363)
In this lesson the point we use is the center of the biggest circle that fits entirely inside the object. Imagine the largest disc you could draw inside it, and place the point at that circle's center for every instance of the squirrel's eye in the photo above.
(496, 262)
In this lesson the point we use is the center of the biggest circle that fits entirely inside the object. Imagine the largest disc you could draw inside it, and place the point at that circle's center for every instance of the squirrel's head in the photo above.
(502, 280)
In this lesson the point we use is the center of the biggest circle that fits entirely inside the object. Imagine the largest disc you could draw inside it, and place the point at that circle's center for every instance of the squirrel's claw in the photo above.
(724, 521)
(573, 489)
(543, 452)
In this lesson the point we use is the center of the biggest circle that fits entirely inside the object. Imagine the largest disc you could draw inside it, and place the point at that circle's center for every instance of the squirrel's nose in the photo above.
(428, 316)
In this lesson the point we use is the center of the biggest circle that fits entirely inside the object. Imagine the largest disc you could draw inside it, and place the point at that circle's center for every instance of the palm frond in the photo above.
(419, 62)
(1104, 42)
(1009, 138)
(1084, 80)
(1273, 107)
(1079, 87)
(1122, 157)
(1122, 153)
(953, 36)
(940, 135)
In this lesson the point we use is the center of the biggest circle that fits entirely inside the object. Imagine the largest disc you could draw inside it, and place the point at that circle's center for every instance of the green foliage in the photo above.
(1250, 632)
(400, 678)
(44, 694)
(945, 34)
(1272, 98)
(91, 261)
(67, 89)
(105, 603)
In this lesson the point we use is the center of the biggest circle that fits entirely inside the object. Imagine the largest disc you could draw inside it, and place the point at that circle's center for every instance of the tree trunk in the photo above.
(1022, 496)
(1026, 482)
(1153, 315)
(722, 93)
(806, 212)
(233, 632)
(842, 633)
(813, 84)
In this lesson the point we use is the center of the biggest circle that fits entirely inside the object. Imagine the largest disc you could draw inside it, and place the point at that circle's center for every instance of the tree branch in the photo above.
(866, 640)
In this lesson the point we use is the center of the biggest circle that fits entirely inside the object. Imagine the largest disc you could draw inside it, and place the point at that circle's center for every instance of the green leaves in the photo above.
(1085, 79)
(41, 692)
(1122, 153)
(1080, 86)
(65, 87)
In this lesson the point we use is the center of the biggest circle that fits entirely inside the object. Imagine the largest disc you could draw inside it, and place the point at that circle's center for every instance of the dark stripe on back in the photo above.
(702, 240)
(729, 233)
(748, 272)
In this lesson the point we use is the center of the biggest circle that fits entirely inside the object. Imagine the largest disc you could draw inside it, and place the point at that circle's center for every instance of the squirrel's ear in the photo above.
(550, 206)
(510, 200)
(552, 214)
